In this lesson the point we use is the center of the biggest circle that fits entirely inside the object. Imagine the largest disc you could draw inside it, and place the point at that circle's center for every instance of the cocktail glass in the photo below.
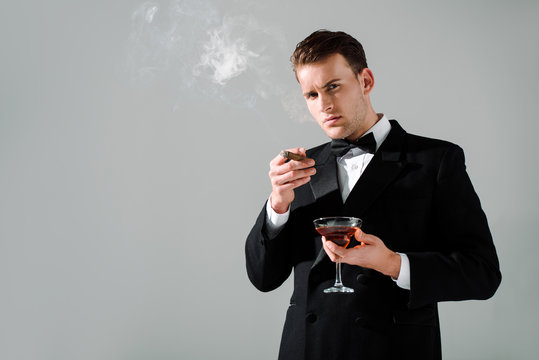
(338, 229)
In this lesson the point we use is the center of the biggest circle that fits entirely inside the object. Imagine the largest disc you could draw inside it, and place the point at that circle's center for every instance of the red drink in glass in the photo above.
(338, 229)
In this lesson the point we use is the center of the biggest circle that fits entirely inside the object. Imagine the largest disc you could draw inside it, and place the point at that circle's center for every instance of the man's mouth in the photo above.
(330, 120)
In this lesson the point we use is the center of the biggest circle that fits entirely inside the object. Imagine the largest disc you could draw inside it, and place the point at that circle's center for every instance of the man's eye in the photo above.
(333, 86)
(312, 95)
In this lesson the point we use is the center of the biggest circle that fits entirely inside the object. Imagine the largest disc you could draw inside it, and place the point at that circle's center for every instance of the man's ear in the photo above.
(366, 79)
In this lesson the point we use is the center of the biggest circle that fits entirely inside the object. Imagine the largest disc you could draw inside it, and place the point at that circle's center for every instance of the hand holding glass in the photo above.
(338, 229)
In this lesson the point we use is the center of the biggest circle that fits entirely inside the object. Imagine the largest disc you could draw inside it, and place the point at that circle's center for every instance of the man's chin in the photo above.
(336, 134)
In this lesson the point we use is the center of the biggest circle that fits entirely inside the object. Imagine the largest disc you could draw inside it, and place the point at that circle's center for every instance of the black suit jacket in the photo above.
(416, 196)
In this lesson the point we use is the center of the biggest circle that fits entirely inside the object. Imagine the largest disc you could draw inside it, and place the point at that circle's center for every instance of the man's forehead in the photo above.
(320, 72)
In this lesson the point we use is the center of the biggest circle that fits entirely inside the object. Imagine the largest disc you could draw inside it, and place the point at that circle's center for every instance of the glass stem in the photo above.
(338, 282)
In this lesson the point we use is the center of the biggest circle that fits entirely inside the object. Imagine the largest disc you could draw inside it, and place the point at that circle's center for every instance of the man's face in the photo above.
(337, 98)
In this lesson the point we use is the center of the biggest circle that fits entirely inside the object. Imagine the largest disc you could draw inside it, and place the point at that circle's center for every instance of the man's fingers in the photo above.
(277, 161)
(292, 165)
(362, 237)
(292, 176)
(328, 251)
(280, 165)
(289, 185)
(366, 239)
(334, 251)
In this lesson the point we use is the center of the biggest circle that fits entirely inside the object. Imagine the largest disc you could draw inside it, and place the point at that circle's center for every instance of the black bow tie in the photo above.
(366, 143)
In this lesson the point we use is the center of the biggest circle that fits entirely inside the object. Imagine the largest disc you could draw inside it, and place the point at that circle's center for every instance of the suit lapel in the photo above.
(384, 167)
(325, 188)
(324, 184)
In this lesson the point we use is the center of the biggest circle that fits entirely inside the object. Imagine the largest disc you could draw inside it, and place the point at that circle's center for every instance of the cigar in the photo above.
(292, 156)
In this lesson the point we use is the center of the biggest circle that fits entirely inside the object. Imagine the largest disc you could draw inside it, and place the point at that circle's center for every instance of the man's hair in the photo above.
(323, 43)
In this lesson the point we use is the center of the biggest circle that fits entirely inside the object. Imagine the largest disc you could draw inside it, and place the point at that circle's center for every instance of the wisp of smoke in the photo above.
(209, 55)
(150, 13)
(224, 56)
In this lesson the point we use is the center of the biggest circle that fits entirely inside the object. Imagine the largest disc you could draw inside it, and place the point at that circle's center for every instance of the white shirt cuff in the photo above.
(403, 281)
(274, 221)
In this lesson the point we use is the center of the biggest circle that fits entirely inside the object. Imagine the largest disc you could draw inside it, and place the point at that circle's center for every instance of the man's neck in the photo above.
(371, 119)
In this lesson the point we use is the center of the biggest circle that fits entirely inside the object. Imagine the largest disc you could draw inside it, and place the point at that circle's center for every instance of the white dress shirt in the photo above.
(350, 166)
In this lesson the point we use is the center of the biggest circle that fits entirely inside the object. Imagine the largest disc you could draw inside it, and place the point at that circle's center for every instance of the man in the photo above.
(425, 237)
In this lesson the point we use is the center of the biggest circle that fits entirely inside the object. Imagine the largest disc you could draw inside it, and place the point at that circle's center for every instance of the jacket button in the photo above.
(311, 318)
(362, 279)
(360, 321)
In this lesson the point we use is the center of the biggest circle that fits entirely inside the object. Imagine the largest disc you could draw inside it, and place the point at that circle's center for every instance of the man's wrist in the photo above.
(277, 207)
(394, 265)
(274, 220)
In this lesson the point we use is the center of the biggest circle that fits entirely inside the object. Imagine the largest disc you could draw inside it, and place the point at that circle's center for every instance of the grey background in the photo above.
(135, 139)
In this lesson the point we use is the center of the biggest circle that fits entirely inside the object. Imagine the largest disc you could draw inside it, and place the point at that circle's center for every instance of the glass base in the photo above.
(339, 289)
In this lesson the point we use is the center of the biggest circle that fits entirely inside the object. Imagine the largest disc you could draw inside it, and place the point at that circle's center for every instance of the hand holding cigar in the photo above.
(286, 175)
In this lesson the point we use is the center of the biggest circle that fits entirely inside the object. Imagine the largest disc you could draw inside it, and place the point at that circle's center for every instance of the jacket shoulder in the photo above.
(422, 142)
(435, 149)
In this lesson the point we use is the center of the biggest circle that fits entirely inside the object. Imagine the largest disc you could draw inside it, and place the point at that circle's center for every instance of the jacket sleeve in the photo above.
(463, 264)
(267, 258)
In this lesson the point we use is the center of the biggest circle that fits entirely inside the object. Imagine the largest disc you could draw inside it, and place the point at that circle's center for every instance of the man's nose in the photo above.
(326, 103)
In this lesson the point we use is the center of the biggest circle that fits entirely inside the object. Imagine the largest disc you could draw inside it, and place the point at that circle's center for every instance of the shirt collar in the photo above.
(380, 130)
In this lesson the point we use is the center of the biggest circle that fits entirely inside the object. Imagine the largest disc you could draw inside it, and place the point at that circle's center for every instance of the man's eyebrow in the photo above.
(329, 83)
(323, 87)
